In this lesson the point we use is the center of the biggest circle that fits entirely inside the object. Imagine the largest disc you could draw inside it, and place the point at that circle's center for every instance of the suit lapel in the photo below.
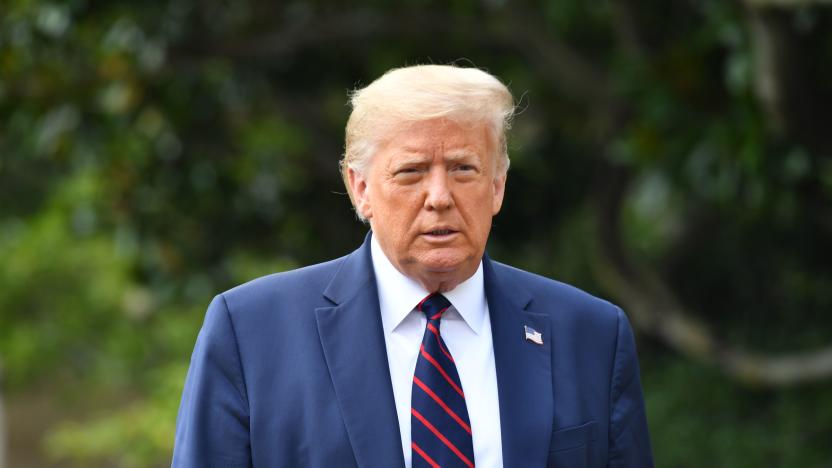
(524, 370)
(353, 342)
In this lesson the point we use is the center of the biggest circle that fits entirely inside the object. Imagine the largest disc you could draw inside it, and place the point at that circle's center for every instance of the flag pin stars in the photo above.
(533, 335)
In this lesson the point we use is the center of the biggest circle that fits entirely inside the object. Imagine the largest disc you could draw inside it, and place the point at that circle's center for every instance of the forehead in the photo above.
(430, 136)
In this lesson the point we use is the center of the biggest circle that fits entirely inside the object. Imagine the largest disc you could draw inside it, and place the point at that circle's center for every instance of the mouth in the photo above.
(440, 234)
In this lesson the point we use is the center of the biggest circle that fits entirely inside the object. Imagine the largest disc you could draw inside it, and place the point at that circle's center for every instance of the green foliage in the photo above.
(732, 426)
(80, 278)
(134, 436)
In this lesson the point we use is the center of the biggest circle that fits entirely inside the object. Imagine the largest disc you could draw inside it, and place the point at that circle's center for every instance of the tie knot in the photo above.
(433, 306)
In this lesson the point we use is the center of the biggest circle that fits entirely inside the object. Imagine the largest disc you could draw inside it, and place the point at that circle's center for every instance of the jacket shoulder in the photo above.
(299, 286)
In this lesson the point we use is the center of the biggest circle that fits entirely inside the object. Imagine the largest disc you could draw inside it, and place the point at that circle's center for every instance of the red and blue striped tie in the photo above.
(439, 426)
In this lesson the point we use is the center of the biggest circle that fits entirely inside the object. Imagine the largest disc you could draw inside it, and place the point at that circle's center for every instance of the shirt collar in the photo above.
(398, 294)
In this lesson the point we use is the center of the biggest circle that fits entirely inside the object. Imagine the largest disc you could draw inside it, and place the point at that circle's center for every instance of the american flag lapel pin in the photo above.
(533, 335)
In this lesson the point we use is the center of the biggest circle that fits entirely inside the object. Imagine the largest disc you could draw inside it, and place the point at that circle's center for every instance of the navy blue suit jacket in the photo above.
(290, 370)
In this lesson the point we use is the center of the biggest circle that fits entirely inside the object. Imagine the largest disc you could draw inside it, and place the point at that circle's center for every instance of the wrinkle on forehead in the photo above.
(420, 138)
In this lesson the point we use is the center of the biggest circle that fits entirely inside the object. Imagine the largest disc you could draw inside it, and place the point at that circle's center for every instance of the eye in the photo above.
(465, 169)
(406, 172)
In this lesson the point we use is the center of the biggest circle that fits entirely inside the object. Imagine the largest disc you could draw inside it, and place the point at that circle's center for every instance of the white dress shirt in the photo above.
(466, 330)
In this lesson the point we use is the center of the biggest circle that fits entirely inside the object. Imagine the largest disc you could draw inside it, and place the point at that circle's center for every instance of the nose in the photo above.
(438, 196)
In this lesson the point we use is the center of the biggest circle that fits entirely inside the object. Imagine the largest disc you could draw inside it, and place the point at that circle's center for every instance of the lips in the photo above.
(440, 232)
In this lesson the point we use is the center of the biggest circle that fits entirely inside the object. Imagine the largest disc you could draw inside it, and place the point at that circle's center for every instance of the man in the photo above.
(416, 349)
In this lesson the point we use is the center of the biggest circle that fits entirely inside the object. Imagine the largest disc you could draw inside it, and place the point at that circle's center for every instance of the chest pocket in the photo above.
(571, 447)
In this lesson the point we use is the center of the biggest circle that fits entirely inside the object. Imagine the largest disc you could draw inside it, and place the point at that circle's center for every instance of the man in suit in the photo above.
(416, 349)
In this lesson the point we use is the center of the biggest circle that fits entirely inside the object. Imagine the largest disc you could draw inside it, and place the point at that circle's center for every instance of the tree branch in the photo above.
(574, 74)
(655, 309)
(554, 59)
(785, 3)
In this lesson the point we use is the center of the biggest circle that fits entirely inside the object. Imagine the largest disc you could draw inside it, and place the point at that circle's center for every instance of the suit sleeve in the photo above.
(212, 427)
(629, 438)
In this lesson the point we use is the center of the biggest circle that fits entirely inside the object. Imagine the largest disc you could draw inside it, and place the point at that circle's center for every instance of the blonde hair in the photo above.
(424, 92)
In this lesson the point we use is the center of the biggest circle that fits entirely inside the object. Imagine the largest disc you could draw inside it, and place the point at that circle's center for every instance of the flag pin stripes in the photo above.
(533, 335)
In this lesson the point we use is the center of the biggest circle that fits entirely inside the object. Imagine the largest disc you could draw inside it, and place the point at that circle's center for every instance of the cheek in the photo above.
(394, 212)
(481, 213)
(402, 202)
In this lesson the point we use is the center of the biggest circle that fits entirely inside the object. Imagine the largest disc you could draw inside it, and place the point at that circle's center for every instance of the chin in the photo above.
(444, 262)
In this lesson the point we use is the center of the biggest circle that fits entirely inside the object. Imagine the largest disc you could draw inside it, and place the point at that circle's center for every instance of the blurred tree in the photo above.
(672, 155)
(791, 94)
(2, 421)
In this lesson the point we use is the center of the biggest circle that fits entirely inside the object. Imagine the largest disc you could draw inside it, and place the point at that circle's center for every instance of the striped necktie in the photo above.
(440, 428)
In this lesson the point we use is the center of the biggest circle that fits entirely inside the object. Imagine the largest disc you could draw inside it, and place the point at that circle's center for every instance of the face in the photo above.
(429, 194)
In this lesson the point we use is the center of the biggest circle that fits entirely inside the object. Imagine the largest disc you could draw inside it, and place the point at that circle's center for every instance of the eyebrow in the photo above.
(460, 155)
(454, 153)
(412, 150)
(412, 155)
(411, 158)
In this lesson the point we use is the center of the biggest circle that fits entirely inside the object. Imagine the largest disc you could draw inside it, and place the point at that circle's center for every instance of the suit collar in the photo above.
(353, 343)
(524, 369)
(398, 294)
(353, 277)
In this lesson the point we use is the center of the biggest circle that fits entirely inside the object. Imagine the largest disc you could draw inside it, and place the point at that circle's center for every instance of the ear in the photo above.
(499, 192)
(360, 193)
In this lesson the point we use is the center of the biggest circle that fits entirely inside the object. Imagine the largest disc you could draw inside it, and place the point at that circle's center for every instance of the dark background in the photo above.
(672, 156)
